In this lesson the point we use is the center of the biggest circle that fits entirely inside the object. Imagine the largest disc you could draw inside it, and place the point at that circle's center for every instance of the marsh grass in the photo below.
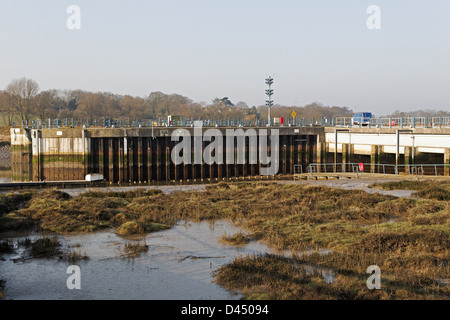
(44, 247)
(76, 255)
(6, 246)
(427, 189)
(135, 249)
(416, 185)
(434, 192)
(237, 239)
(407, 238)
(138, 193)
(9, 203)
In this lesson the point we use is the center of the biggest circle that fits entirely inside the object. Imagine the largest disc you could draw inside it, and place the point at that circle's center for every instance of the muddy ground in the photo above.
(357, 183)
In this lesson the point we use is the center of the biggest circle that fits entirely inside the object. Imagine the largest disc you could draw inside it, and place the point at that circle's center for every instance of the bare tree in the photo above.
(241, 105)
(91, 106)
(23, 91)
(132, 108)
(48, 104)
(6, 107)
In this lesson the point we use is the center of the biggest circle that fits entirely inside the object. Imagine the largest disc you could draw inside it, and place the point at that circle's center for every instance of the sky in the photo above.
(316, 50)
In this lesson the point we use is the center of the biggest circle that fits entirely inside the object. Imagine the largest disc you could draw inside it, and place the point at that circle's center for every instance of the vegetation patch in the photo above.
(43, 247)
(237, 239)
(135, 249)
(6, 246)
(407, 238)
(441, 193)
(411, 184)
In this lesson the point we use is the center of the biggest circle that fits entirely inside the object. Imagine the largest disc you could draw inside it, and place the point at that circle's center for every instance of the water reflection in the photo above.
(178, 265)
(5, 175)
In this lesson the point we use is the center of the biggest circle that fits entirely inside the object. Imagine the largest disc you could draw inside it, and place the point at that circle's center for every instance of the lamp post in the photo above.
(269, 102)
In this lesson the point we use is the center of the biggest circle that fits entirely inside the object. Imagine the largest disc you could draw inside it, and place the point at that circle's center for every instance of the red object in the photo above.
(281, 120)
(361, 167)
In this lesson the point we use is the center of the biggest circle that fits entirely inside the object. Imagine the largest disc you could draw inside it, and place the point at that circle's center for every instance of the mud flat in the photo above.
(353, 184)
(179, 264)
(344, 230)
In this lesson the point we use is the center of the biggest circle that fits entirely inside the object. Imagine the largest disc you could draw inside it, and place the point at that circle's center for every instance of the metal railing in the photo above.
(296, 167)
(346, 122)
(403, 122)
(377, 168)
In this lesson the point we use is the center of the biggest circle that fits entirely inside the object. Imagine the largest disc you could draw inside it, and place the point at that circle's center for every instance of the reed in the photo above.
(409, 239)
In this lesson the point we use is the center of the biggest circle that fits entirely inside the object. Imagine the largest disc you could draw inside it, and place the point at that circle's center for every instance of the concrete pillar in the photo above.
(447, 162)
(59, 161)
(126, 162)
(235, 165)
(121, 168)
(111, 159)
(291, 155)
(244, 165)
(220, 169)
(345, 156)
(185, 170)
(193, 165)
(34, 156)
(211, 168)
(308, 151)
(149, 160)
(374, 159)
(253, 150)
(176, 167)
(259, 160)
(167, 159)
(158, 160)
(407, 158)
(300, 152)
(202, 166)
(132, 156)
(101, 157)
(84, 144)
(140, 158)
(317, 151)
(284, 148)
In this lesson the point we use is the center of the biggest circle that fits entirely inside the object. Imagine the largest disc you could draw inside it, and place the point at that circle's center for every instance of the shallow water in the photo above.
(178, 265)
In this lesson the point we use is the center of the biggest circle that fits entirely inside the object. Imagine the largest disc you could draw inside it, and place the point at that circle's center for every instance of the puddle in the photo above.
(178, 264)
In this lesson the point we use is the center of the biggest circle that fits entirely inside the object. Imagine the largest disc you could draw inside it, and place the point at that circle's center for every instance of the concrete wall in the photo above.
(390, 146)
(143, 155)
(21, 154)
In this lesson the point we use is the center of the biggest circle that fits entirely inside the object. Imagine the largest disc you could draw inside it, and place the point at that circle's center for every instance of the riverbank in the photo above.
(407, 237)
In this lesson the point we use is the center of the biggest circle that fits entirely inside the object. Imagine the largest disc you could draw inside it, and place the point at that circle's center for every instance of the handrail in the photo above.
(347, 122)
(381, 168)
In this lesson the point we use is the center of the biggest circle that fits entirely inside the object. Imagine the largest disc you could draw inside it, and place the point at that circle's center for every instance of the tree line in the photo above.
(22, 100)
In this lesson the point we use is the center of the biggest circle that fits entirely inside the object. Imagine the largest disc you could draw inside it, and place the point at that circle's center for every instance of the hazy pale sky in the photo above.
(318, 50)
